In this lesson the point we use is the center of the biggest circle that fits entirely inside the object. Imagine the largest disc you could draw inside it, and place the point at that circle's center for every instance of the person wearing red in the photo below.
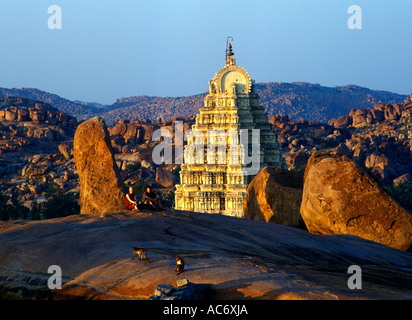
(131, 200)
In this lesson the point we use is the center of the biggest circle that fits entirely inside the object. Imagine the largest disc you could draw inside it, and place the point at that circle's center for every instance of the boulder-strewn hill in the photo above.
(239, 258)
(75, 108)
(378, 138)
(29, 128)
(153, 108)
(299, 100)
(313, 102)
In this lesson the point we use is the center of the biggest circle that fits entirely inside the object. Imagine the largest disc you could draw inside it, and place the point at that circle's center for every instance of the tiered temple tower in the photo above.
(215, 173)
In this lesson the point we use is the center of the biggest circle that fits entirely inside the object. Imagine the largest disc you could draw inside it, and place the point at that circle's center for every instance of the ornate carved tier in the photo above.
(214, 176)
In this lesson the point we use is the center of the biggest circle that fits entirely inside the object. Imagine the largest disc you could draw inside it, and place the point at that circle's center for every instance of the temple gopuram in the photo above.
(230, 143)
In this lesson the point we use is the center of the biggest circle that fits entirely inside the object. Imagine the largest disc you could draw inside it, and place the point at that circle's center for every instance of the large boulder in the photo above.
(342, 149)
(340, 197)
(131, 134)
(296, 160)
(165, 178)
(380, 165)
(101, 186)
(405, 178)
(391, 113)
(10, 115)
(359, 118)
(274, 195)
(341, 122)
(66, 149)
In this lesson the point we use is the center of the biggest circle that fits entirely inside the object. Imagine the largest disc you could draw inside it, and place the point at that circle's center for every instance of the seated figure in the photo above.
(130, 200)
(151, 199)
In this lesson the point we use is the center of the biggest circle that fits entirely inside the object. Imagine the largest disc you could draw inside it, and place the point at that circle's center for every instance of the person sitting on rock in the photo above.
(130, 199)
(151, 199)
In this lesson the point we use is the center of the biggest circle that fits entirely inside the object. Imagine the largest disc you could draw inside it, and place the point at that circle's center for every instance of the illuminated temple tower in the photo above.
(217, 182)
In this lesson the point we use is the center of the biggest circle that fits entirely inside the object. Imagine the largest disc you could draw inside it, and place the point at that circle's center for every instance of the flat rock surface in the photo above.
(239, 258)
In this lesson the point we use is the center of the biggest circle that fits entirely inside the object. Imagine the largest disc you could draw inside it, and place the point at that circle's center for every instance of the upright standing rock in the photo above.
(101, 186)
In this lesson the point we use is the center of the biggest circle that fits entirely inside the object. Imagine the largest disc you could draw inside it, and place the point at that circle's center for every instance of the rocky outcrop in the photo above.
(31, 126)
(381, 112)
(340, 197)
(378, 138)
(274, 195)
(128, 135)
(13, 109)
(297, 159)
(238, 258)
(101, 186)
(298, 99)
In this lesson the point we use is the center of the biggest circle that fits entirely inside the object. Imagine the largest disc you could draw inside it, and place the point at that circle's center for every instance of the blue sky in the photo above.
(111, 49)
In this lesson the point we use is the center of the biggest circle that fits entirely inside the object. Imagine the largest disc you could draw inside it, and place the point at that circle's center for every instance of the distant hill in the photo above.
(74, 108)
(298, 100)
(319, 103)
(153, 108)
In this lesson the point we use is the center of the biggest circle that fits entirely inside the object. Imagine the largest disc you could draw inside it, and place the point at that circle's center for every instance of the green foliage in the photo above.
(176, 173)
(23, 191)
(402, 194)
(14, 210)
(57, 204)
(169, 200)
(139, 188)
(4, 212)
(35, 211)
(18, 210)
(298, 170)
(133, 167)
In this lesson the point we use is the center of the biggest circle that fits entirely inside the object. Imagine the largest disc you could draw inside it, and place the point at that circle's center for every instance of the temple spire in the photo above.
(227, 146)
(230, 56)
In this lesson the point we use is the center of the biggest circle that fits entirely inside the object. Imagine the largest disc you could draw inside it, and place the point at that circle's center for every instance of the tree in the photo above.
(17, 210)
(35, 210)
(14, 210)
(58, 203)
(169, 200)
(139, 188)
(402, 194)
(4, 207)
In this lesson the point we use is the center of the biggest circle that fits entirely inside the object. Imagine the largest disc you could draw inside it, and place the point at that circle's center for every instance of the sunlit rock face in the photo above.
(101, 186)
(341, 197)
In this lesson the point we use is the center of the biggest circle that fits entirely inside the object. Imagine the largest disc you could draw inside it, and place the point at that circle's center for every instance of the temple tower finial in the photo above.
(230, 56)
